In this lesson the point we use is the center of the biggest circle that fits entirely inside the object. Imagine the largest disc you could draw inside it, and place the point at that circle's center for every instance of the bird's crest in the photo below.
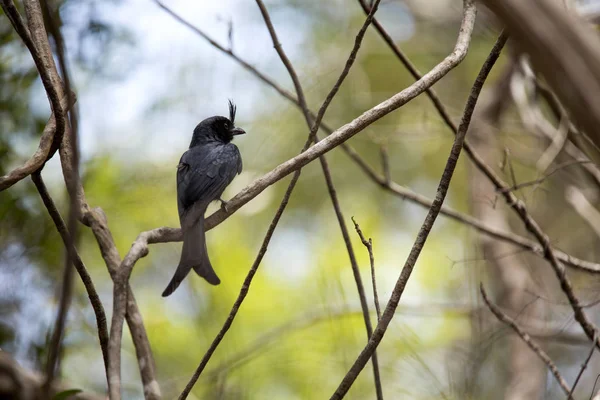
(232, 111)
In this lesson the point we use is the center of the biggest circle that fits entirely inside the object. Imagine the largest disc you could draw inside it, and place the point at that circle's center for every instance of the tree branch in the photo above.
(369, 245)
(527, 339)
(442, 190)
(79, 265)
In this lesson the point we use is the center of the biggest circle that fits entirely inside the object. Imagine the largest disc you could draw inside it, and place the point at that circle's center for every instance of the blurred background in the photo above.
(143, 81)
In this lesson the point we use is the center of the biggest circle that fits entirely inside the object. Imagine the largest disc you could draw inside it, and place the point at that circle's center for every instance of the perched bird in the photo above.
(203, 173)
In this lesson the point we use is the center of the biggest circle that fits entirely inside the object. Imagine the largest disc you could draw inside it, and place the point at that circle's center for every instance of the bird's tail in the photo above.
(193, 255)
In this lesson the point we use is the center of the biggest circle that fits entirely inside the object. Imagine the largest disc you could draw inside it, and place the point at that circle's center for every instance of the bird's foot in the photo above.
(224, 206)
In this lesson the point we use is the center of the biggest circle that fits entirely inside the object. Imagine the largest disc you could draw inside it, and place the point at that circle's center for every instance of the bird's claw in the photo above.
(224, 206)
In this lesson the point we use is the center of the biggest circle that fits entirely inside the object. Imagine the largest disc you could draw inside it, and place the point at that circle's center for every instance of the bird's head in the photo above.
(217, 128)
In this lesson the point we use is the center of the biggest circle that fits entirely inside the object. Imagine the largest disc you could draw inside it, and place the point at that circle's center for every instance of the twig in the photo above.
(369, 245)
(285, 60)
(79, 265)
(36, 41)
(430, 92)
(527, 339)
(543, 178)
(442, 190)
(583, 367)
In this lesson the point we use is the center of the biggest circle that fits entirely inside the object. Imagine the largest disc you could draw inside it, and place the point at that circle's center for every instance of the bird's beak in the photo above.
(237, 131)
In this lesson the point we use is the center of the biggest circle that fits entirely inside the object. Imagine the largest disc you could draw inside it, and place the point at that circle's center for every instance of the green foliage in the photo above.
(65, 395)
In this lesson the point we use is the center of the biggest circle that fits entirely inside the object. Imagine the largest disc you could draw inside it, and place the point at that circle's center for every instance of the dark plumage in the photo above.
(203, 173)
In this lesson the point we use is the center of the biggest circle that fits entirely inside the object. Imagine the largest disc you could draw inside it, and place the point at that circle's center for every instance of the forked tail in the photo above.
(193, 255)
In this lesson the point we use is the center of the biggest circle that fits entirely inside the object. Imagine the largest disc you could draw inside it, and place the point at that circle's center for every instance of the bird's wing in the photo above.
(204, 172)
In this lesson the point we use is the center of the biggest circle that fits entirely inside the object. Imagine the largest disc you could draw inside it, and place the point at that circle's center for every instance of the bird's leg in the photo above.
(224, 205)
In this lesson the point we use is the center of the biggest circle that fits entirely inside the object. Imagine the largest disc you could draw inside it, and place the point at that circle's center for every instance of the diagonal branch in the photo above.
(61, 227)
(527, 339)
(442, 190)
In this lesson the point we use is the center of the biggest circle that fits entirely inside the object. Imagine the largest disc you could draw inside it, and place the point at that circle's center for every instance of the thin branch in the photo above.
(430, 92)
(369, 245)
(285, 60)
(519, 241)
(527, 339)
(79, 265)
(442, 190)
(36, 41)
(583, 368)
(545, 177)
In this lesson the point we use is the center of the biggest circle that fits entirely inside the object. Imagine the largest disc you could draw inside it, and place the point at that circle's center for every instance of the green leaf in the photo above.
(64, 395)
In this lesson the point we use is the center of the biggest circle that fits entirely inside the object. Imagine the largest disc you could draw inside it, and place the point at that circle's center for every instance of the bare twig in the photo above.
(79, 265)
(545, 177)
(285, 60)
(430, 92)
(390, 309)
(369, 245)
(583, 367)
(527, 339)
(36, 41)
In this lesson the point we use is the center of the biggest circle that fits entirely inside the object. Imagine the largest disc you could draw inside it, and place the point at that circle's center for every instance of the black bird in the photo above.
(203, 173)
